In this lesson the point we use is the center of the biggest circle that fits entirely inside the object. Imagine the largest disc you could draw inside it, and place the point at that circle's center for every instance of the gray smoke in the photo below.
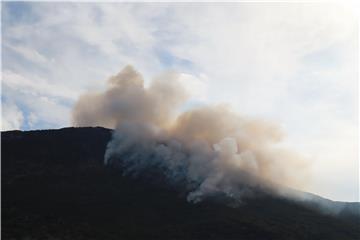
(211, 149)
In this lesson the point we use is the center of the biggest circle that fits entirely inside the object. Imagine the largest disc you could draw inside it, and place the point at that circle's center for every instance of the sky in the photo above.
(294, 64)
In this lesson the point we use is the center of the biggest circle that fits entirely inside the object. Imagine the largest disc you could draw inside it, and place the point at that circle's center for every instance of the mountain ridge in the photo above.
(54, 184)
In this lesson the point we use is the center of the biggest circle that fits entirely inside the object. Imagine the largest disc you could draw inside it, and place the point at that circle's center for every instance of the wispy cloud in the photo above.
(12, 117)
(30, 54)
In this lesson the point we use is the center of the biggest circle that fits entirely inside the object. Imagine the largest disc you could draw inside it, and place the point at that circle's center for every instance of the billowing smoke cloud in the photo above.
(210, 149)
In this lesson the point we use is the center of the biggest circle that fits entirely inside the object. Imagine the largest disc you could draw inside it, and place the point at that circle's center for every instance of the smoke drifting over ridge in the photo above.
(211, 148)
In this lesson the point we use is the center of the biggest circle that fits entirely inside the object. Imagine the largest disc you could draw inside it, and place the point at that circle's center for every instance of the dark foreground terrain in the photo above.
(55, 186)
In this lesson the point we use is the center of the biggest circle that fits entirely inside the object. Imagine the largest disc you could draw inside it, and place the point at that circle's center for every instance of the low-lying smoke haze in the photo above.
(210, 148)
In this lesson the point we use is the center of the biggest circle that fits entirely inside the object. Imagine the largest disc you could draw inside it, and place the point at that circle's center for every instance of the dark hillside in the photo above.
(55, 186)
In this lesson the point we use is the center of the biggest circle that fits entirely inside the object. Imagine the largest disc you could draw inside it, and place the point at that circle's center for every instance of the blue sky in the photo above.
(293, 64)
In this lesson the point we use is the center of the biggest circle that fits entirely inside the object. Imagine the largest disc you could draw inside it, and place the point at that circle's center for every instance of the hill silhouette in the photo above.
(55, 186)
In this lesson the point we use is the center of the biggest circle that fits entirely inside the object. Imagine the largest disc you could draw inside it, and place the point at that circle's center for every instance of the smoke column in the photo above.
(211, 148)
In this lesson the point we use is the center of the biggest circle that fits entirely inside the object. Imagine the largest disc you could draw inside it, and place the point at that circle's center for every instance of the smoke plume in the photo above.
(211, 149)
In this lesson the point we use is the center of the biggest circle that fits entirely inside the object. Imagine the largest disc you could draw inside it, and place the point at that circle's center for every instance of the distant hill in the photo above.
(55, 186)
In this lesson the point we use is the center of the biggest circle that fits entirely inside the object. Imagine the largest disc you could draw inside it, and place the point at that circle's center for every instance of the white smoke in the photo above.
(211, 149)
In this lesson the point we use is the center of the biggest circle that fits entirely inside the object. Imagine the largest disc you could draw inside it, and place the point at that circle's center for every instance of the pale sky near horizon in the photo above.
(295, 64)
